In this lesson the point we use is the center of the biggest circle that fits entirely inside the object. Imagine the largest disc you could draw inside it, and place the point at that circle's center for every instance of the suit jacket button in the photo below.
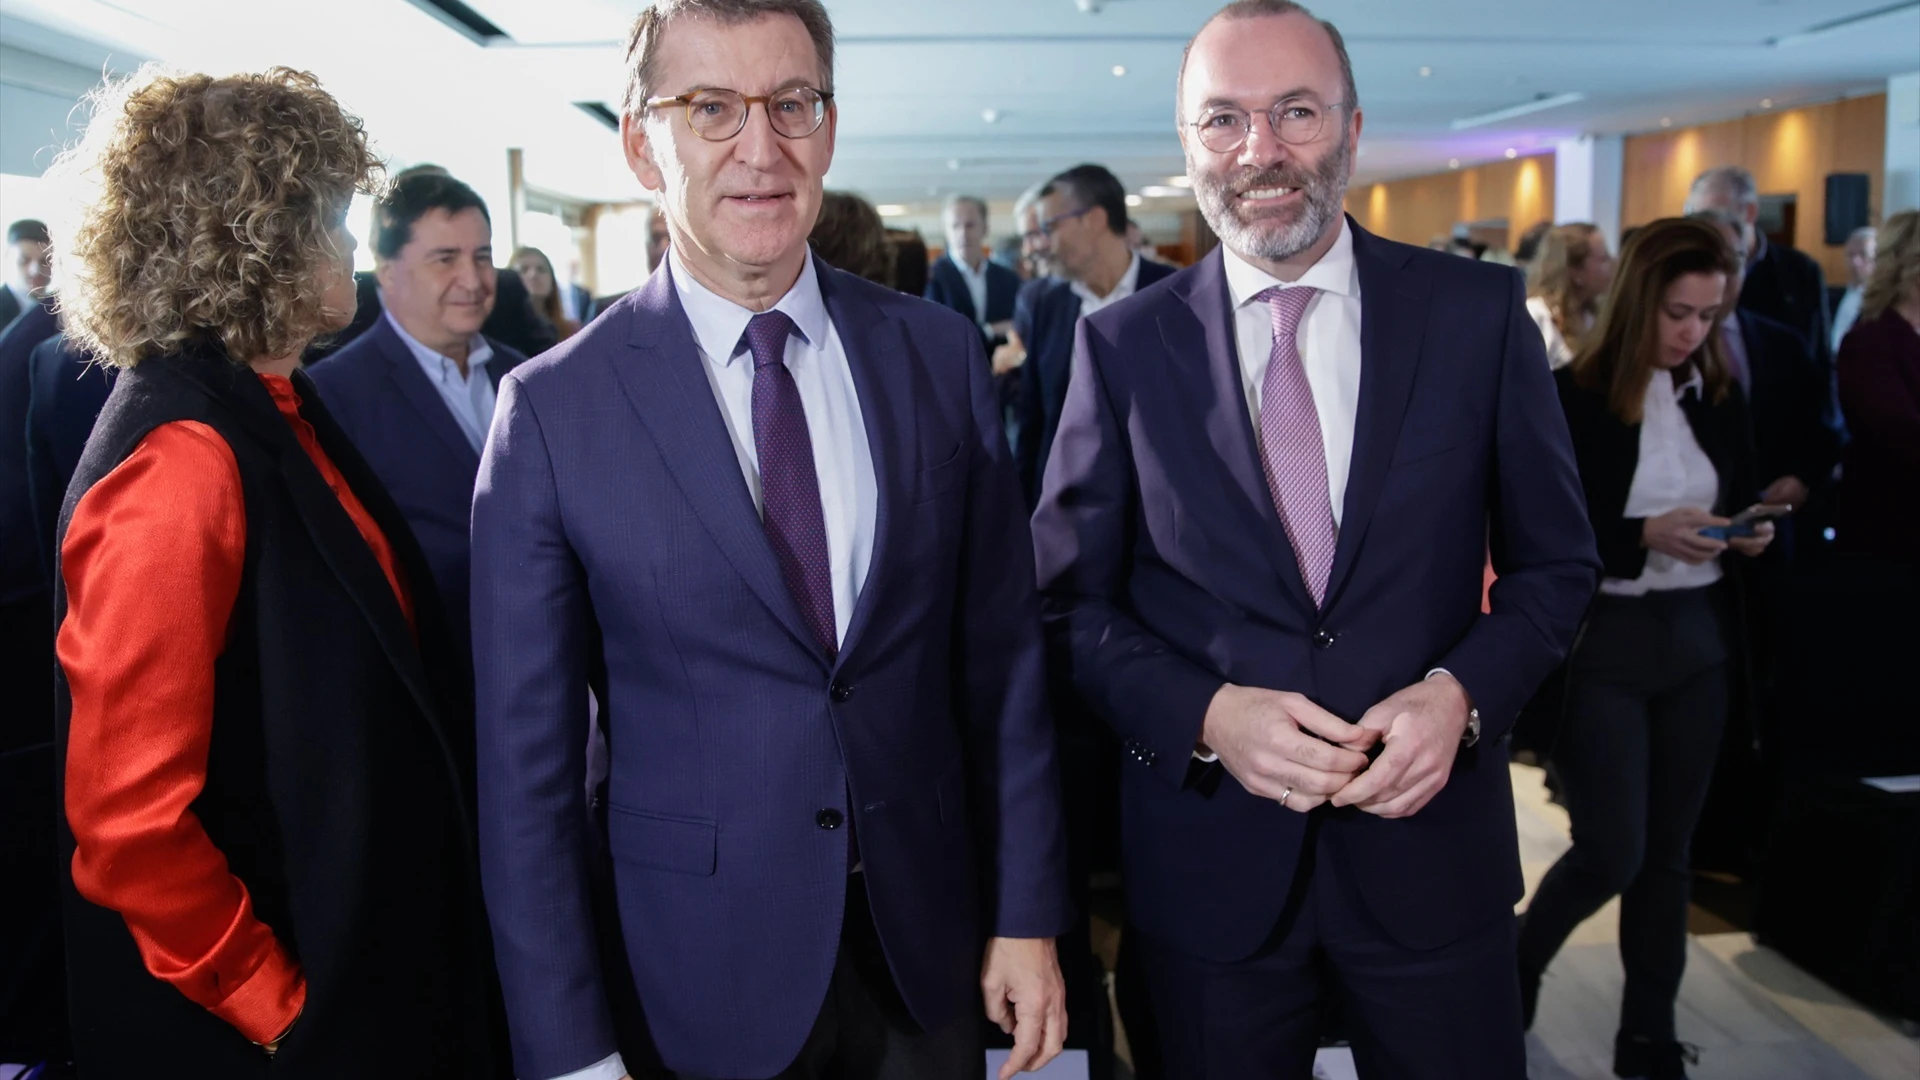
(829, 818)
(1323, 639)
(839, 691)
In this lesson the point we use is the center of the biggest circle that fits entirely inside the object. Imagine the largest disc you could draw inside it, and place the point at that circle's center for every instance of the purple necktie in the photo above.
(1290, 444)
(789, 487)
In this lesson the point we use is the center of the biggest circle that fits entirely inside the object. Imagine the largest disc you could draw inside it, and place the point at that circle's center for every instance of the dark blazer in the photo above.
(1608, 451)
(1796, 421)
(9, 307)
(583, 301)
(338, 774)
(513, 320)
(948, 288)
(383, 401)
(20, 572)
(1787, 286)
(612, 526)
(1166, 573)
(68, 391)
(1879, 505)
(1045, 324)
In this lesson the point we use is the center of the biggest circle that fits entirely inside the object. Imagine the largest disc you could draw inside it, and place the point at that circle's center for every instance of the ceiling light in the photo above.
(1119, 71)
(991, 116)
(1181, 181)
(1512, 153)
(1134, 200)
(1453, 163)
(1766, 103)
(1820, 30)
(891, 210)
(1164, 191)
(1540, 103)
(1666, 121)
(1426, 72)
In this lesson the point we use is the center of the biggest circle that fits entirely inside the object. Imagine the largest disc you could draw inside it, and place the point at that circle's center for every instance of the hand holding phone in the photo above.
(1742, 523)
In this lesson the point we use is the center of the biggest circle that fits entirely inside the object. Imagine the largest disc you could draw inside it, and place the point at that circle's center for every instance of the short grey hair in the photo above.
(1732, 180)
(975, 201)
(1857, 240)
(643, 41)
(1260, 9)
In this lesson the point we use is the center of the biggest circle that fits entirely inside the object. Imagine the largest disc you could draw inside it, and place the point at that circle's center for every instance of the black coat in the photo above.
(1787, 286)
(1796, 422)
(338, 782)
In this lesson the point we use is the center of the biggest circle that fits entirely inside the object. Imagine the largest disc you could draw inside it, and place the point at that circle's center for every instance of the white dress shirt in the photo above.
(1847, 313)
(976, 286)
(469, 396)
(1673, 472)
(1129, 281)
(849, 493)
(1329, 340)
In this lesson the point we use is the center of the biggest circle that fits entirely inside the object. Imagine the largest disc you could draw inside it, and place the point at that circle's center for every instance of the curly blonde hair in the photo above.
(209, 212)
(1896, 268)
(1564, 249)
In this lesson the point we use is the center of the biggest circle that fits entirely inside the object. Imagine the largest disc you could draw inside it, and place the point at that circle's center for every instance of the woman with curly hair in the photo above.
(266, 760)
(1566, 283)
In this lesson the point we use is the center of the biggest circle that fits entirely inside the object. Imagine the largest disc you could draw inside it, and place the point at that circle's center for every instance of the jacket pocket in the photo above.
(681, 845)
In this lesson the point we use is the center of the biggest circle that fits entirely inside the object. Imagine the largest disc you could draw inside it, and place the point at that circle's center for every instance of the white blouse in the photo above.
(1559, 353)
(1673, 472)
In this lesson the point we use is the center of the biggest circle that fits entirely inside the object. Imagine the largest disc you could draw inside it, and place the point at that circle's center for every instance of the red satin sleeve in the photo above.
(152, 562)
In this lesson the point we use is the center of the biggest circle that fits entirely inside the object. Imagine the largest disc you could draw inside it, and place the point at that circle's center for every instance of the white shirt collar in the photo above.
(1336, 272)
(719, 324)
(1123, 288)
(1694, 382)
(962, 265)
(478, 351)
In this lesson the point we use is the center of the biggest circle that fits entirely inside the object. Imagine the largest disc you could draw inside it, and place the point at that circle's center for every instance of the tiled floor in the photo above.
(1754, 1015)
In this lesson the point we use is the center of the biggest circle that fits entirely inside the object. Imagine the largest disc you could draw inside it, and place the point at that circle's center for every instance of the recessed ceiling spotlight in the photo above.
(890, 210)
(991, 116)
(1453, 163)
(1426, 72)
(1134, 200)
(1512, 153)
(1666, 121)
(1766, 103)
(1119, 71)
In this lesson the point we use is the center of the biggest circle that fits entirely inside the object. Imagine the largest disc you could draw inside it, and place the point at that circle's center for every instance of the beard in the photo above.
(1274, 238)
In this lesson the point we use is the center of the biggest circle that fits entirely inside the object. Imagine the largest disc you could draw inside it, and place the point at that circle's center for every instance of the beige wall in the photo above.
(1421, 208)
(1790, 152)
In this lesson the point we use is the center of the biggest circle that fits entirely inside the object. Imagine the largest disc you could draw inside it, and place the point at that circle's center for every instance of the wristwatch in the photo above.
(1472, 735)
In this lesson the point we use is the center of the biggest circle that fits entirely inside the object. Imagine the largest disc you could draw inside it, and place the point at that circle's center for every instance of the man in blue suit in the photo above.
(763, 512)
(1083, 227)
(1261, 546)
(964, 279)
(416, 392)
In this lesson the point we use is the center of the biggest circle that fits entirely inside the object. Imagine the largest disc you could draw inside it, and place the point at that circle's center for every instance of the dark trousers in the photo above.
(1646, 702)
(864, 1031)
(1452, 1013)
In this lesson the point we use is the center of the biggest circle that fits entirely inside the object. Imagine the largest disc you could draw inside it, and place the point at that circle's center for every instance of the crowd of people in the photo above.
(445, 672)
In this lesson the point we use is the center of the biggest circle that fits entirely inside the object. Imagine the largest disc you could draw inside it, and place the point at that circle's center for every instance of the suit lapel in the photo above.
(1393, 319)
(665, 385)
(883, 375)
(1202, 333)
(404, 369)
(957, 289)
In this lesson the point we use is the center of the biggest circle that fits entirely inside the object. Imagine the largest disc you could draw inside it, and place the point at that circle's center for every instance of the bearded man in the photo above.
(1274, 483)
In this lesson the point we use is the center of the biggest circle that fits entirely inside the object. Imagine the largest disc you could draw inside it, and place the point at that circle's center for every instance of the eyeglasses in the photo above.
(1048, 226)
(1295, 121)
(718, 115)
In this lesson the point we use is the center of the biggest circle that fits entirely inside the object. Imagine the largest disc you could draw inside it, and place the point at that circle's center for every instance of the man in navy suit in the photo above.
(66, 393)
(29, 268)
(1082, 222)
(964, 279)
(416, 392)
(763, 512)
(1261, 543)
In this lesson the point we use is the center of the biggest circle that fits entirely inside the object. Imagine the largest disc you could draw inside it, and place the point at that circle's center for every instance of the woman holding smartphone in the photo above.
(1661, 434)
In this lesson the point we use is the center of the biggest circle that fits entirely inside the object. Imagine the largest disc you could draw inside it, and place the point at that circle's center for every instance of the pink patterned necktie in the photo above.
(1291, 447)
(789, 487)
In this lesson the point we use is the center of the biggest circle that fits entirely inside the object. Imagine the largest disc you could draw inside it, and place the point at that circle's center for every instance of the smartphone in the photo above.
(1742, 523)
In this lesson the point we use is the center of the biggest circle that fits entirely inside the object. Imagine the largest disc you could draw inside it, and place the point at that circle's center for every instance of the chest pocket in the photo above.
(947, 475)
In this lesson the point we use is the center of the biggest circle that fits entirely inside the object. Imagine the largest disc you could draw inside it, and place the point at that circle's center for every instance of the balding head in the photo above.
(1269, 9)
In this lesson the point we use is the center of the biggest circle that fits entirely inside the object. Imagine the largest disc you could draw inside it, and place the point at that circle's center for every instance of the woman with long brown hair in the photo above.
(1660, 432)
(1567, 281)
(543, 288)
(266, 766)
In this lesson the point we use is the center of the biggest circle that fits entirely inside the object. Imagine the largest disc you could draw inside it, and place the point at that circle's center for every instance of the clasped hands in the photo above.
(1277, 743)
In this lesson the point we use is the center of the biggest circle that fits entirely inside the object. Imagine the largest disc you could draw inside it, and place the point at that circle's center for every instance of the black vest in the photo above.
(339, 777)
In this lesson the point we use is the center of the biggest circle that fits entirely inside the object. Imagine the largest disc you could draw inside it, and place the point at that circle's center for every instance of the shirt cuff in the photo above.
(609, 1068)
(1207, 758)
(264, 1006)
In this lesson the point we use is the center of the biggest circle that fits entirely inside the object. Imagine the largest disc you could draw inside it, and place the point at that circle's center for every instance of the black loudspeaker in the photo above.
(1846, 205)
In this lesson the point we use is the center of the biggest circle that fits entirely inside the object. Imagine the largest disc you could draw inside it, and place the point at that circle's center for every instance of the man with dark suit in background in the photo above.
(1843, 301)
(1785, 285)
(29, 259)
(1273, 490)
(416, 392)
(67, 390)
(1083, 225)
(965, 280)
(763, 511)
